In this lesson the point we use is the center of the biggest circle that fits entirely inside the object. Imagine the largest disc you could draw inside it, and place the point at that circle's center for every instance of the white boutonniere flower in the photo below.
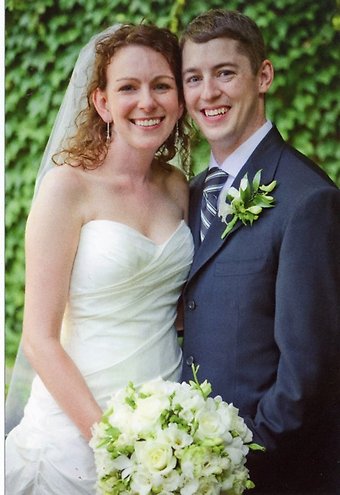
(246, 203)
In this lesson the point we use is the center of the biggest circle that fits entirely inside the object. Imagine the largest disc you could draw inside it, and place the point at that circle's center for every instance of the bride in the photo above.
(107, 252)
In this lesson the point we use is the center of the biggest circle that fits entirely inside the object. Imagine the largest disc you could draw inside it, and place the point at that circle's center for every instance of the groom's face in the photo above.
(222, 93)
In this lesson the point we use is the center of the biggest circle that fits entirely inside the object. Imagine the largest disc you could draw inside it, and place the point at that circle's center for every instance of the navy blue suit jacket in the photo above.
(262, 319)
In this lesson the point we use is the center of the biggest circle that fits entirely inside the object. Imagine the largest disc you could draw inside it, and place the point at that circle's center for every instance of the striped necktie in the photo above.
(213, 184)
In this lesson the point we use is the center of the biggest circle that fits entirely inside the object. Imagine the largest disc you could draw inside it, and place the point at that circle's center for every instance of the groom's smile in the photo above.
(211, 113)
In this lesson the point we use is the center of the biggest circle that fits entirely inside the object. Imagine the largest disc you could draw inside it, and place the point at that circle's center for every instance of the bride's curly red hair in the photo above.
(88, 147)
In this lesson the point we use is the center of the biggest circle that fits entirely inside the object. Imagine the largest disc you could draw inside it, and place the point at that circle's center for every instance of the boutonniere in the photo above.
(246, 203)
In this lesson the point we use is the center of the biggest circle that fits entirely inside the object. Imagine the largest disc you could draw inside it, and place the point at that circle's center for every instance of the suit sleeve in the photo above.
(307, 323)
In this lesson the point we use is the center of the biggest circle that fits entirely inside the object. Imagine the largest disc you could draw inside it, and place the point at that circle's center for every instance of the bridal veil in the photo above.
(75, 100)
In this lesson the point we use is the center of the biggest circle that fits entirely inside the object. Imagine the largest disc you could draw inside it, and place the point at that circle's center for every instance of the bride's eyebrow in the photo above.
(160, 76)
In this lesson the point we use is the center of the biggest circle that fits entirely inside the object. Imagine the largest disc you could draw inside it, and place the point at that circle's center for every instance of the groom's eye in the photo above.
(225, 73)
(192, 79)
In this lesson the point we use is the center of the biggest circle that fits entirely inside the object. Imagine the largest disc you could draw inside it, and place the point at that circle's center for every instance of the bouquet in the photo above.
(171, 438)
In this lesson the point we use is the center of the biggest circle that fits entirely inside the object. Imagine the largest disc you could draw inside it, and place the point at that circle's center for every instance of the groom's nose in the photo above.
(210, 89)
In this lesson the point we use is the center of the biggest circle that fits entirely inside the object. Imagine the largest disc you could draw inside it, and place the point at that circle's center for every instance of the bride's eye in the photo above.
(126, 88)
(162, 87)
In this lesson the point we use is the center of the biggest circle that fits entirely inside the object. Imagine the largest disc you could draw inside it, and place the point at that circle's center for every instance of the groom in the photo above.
(262, 309)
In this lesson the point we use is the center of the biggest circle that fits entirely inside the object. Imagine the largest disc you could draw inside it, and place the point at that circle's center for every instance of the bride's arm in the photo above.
(52, 236)
(180, 193)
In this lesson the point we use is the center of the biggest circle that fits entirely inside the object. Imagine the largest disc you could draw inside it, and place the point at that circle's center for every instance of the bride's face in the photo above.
(141, 97)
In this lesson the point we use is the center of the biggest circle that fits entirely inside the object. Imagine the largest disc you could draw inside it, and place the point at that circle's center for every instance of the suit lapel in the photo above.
(266, 157)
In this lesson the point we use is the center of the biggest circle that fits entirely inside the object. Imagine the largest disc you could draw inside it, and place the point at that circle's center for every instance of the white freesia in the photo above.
(209, 486)
(105, 463)
(190, 487)
(176, 437)
(140, 483)
(171, 482)
(244, 183)
(237, 451)
(233, 192)
(170, 439)
(190, 402)
(158, 388)
(225, 208)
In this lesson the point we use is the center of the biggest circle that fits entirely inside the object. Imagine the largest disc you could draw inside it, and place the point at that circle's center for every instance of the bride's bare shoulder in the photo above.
(63, 182)
(176, 181)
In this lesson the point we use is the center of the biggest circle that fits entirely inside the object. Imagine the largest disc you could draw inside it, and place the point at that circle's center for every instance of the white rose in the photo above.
(155, 456)
(214, 421)
(122, 418)
(210, 426)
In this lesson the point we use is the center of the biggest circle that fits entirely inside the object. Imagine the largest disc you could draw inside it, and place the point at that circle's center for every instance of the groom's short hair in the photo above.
(220, 23)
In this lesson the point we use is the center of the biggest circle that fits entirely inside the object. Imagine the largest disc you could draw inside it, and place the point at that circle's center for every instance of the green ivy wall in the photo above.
(43, 39)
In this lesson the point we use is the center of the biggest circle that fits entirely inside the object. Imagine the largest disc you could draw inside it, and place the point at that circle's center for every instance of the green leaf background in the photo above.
(43, 39)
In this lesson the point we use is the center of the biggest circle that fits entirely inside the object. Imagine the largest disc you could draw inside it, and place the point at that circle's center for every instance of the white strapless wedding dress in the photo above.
(118, 327)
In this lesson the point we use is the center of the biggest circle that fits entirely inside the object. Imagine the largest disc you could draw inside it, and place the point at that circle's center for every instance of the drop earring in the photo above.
(176, 132)
(108, 135)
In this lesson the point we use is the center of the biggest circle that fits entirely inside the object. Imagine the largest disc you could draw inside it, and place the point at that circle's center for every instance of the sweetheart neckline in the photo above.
(135, 231)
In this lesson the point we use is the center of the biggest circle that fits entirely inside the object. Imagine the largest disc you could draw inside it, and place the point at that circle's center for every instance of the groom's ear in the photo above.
(100, 103)
(265, 76)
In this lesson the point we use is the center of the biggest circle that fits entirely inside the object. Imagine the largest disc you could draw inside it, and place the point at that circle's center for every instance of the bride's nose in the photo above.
(146, 100)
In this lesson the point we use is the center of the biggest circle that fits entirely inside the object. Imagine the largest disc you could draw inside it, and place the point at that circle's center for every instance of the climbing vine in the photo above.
(43, 39)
